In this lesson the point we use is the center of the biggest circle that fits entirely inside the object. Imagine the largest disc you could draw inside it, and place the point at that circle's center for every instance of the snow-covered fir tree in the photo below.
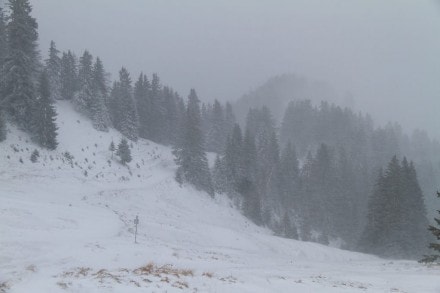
(396, 214)
(123, 107)
(44, 128)
(21, 65)
(2, 126)
(53, 69)
(98, 104)
(142, 92)
(124, 152)
(69, 75)
(3, 38)
(189, 151)
(86, 91)
(435, 246)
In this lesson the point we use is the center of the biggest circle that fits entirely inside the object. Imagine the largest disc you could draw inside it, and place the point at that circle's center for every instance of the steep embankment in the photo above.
(66, 225)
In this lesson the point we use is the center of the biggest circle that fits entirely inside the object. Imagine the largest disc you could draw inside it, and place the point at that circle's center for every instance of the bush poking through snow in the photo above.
(34, 156)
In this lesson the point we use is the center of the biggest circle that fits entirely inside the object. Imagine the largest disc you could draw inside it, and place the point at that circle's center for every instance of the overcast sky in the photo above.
(385, 52)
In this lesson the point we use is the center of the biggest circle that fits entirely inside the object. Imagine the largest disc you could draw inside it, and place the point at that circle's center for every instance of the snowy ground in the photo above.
(63, 229)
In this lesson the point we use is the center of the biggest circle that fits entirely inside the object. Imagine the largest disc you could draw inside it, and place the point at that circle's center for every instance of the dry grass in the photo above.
(208, 274)
(4, 287)
(160, 271)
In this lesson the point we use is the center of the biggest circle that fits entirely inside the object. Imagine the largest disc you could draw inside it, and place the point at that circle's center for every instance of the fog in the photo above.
(384, 52)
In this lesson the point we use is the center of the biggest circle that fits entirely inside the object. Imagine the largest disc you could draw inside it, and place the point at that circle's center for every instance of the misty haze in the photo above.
(219, 146)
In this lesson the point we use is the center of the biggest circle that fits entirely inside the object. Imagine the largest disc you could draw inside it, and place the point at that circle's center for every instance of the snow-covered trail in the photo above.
(65, 231)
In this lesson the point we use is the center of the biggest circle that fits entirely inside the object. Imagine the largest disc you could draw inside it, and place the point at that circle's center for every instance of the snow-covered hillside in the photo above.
(66, 225)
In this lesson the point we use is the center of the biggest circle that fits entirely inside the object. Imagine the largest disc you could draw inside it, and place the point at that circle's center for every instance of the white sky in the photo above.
(385, 52)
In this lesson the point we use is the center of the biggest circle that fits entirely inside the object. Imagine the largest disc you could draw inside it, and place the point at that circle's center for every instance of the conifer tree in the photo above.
(112, 148)
(157, 110)
(98, 103)
(3, 39)
(435, 246)
(124, 109)
(142, 90)
(2, 126)
(216, 134)
(69, 75)
(289, 175)
(53, 69)
(21, 65)
(396, 214)
(83, 99)
(189, 152)
(45, 129)
(124, 152)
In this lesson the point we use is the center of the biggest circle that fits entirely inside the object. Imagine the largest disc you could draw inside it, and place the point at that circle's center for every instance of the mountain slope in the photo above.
(63, 229)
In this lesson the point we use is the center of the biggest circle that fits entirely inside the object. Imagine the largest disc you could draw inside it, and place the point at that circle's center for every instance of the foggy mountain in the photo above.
(116, 178)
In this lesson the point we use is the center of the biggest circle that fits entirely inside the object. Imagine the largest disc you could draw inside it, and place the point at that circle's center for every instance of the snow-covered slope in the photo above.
(66, 225)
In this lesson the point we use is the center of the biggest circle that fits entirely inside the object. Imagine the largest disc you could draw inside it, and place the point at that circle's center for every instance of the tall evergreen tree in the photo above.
(53, 69)
(69, 75)
(124, 152)
(142, 90)
(45, 129)
(98, 104)
(83, 99)
(435, 246)
(396, 214)
(216, 135)
(124, 114)
(3, 39)
(19, 74)
(2, 126)
(189, 152)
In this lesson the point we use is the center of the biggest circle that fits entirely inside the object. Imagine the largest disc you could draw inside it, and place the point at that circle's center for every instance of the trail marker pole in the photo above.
(136, 222)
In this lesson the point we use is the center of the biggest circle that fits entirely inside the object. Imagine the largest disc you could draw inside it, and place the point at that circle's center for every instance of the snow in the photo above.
(62, 231)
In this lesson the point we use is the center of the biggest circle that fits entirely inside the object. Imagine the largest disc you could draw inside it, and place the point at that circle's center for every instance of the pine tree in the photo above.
(216, 134)
(83, 99)
(69, 76)
(219, 176)
(142, 90)
(157, 110)
(124, 152)
(3, 39)
(21, 65)
(2, 126)
(189, 152)
(289, 176)
(124, 114)
(98, 103)
(396, 214)
(112, 148)
(434, 245)
(53, 69)
(34, 156)
(45, 129)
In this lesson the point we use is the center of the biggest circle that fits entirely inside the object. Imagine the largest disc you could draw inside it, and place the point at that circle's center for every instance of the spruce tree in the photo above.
(124, 113)
(98, 103)
(45, 129)
(435, 246)
(19, 72)
(69, 75)
(396, 214)
(112, 148)
(216, 134)
(3, 39)
(83, 99)
(124, 152)
(53, 69)
(142, 97)
(2, 126)
(189, 152)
